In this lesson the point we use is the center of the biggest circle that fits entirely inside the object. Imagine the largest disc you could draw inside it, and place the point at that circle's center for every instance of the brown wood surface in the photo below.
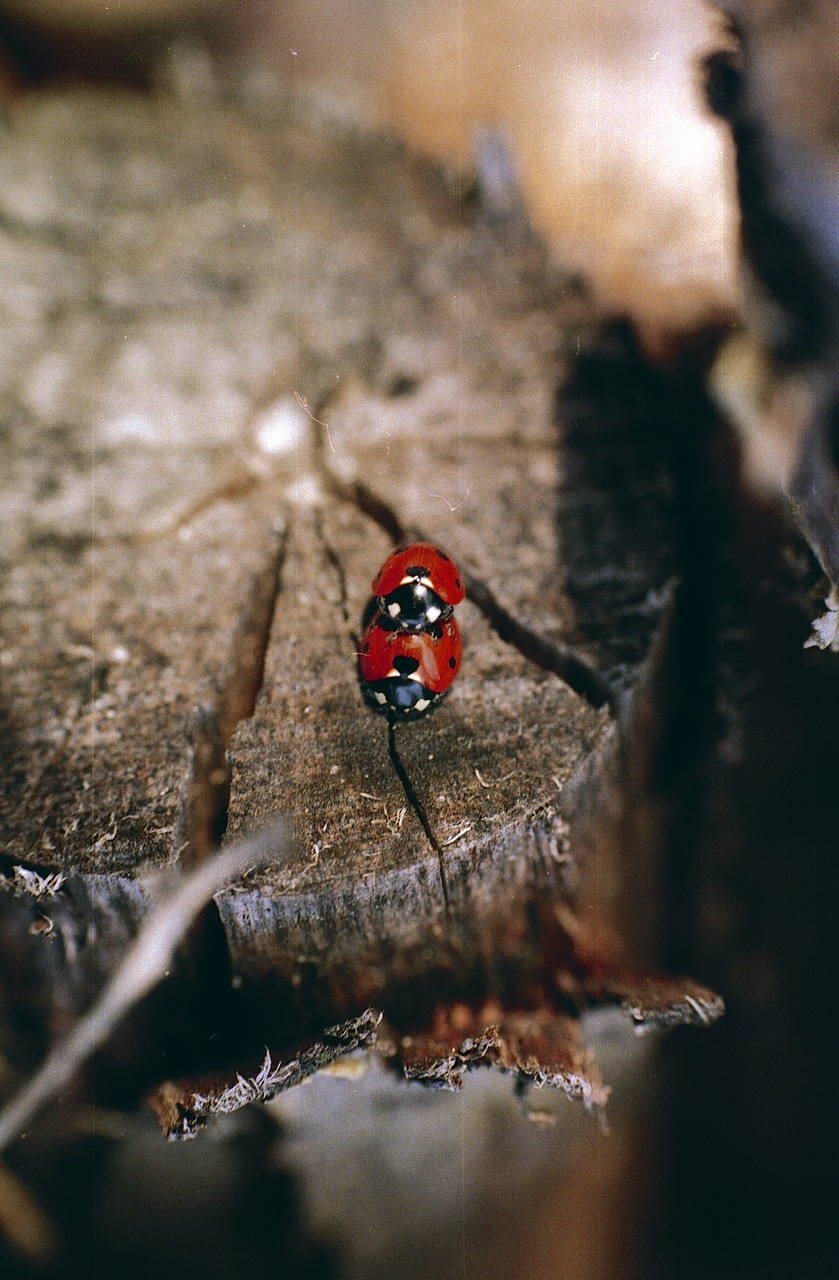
(177, 303)
(245, 348)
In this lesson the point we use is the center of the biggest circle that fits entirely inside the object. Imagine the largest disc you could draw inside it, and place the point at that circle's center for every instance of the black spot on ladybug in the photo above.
(457, 583)
(404, 665)
(416, 571)
(443, 555)
(452, 663)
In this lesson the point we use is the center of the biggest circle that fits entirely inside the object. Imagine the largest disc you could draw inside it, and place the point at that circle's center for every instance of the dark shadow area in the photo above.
(730, 829)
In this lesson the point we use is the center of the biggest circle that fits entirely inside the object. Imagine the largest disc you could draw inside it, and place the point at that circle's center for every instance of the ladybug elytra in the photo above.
(418, 585)
(406, 671)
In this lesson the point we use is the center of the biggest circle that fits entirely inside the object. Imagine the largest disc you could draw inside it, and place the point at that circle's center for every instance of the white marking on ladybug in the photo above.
(394, 609)
(415, 675)
(380, 697)
(422, 703)
(432, 613)
(409, 577)
(393, 672)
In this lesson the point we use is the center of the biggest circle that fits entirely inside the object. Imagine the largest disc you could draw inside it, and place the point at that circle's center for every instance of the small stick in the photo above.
(144, 965)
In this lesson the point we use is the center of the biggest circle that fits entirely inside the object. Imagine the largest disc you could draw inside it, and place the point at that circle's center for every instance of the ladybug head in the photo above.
(414, 605)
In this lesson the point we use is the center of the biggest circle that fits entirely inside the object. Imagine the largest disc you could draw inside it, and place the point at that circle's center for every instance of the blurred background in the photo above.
(624, 170)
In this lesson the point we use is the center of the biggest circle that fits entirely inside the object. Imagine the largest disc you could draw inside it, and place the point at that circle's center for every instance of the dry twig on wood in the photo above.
(143, 967)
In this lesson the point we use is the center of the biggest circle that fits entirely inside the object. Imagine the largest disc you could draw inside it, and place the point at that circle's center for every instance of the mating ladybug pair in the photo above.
(411, 648)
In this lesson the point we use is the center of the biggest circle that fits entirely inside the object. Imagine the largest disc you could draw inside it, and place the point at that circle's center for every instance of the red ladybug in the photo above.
(406, 671)
(418, 585)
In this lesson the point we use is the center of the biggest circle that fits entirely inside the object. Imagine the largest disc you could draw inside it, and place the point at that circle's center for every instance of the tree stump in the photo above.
(246, 348)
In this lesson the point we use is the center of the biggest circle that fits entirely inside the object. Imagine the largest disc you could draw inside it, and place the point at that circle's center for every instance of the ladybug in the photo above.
(405, 672)
(418, 585)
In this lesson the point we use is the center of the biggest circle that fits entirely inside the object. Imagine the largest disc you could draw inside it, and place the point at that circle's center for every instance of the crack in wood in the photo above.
(202, 820)
(369, 504)
(341, 577)
(250, 644)
(231, 491)
(417, 806)
(560, 659)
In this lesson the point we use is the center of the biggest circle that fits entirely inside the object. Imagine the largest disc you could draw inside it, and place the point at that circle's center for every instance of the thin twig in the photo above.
(145, 964)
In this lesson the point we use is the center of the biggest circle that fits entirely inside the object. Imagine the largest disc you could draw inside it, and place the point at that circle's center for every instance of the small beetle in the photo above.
(418, 585)
(405, 672)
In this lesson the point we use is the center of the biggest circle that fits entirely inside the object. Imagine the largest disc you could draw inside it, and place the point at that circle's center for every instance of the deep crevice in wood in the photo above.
(560, 659)
(250, 644)
(370, 504)
(417, 806)
(341, 577)
(203, 816)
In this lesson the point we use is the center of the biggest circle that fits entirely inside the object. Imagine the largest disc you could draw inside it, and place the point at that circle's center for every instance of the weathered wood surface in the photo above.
(175, 301)
(244, 346)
